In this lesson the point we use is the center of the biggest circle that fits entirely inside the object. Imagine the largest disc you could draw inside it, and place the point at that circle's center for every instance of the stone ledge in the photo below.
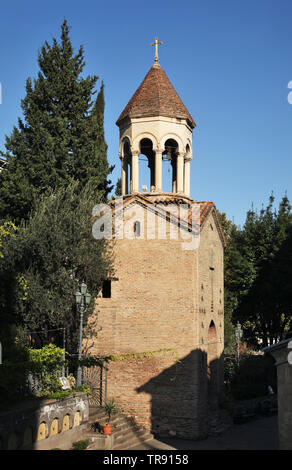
(33, 424)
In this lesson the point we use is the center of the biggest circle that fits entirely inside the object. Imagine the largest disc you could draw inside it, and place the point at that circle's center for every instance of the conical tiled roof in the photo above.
(156, 97)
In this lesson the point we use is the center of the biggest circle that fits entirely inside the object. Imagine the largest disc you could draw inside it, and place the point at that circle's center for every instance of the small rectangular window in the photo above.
(137, 229)
(107, 289)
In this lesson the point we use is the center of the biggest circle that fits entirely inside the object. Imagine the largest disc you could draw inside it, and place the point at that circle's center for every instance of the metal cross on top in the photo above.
(156, 44)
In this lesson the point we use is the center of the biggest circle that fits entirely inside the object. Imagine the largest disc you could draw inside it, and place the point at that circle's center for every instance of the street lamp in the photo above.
(238, 335)
(82, 299)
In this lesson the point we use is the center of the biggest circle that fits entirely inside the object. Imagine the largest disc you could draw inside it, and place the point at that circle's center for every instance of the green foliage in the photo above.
(46, 364)
(48, 359)
(56, 171)
(85, 389)
(237, 276)
(7, 229)
(265, 310)
(62, 135)
(80, 445)
(118, 190)
(251, 378)
(110, 409)
(89, 361)
(54, 395)
(13, 372)
(51, 254)
(258, 270)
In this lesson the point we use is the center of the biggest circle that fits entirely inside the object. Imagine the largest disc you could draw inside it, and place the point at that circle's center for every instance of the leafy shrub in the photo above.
(80, 445)
(45, 365)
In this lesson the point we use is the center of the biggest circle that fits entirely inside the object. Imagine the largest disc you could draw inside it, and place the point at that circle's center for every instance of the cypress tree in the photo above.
(61, 136)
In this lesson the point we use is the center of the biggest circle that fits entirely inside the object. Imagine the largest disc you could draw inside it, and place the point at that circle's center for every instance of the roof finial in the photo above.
(156, 44)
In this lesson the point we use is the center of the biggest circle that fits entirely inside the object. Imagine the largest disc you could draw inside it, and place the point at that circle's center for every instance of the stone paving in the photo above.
(258, 434)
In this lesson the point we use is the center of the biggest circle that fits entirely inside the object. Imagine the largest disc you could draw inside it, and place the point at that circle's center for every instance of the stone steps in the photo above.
(126, 433)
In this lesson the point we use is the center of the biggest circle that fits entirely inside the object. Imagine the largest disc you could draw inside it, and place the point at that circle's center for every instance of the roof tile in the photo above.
(156, 97)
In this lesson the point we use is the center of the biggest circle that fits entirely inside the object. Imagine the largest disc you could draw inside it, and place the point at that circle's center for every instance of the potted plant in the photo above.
(110, 409)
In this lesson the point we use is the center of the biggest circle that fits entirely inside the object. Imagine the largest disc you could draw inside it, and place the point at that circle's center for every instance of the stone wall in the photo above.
(33, 424)
(280, 352)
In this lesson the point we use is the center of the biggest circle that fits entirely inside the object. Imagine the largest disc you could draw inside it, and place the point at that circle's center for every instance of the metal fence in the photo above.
(96, 378)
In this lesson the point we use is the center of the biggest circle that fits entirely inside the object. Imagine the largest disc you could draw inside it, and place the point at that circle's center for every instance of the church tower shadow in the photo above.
(184, 397)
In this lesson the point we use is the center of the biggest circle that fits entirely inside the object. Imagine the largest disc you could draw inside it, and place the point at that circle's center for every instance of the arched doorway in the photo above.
(212, 363)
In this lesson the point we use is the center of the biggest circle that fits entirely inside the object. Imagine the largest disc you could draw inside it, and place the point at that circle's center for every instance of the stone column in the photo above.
(135, 172)
(187, 176)
(127, 175)
(180, 173)
(282, 354)
(124, 176)
(158, 170)
(173, 165)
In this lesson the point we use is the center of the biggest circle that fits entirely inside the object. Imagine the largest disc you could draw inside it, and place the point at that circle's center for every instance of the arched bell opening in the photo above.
(147, 165)
(126, 166)
(169, 156)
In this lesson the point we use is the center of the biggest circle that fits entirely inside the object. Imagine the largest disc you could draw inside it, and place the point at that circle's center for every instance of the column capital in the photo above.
(135, 153)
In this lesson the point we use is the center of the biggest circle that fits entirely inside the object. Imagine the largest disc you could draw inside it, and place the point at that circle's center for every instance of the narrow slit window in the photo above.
(107, 289)
(137, 229)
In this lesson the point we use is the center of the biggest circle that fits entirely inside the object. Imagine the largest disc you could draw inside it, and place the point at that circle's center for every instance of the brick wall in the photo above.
(156, 305)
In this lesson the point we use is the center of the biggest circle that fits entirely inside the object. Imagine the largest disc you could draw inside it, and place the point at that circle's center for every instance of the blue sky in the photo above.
(230, 62)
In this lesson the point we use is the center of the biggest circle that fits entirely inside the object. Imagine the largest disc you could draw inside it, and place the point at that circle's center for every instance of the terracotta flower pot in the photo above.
(107, 429)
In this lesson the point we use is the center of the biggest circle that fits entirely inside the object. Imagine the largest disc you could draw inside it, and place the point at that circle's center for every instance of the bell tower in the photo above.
(166, 298)
(156, 126)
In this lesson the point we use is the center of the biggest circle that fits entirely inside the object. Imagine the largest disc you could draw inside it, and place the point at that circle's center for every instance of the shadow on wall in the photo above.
(183, 395)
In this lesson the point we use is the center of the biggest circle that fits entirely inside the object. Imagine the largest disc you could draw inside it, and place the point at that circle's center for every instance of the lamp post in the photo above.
(82, 299)
(238, 335)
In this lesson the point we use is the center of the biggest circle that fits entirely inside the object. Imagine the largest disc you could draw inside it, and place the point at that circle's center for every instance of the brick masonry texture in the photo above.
(162, 303)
